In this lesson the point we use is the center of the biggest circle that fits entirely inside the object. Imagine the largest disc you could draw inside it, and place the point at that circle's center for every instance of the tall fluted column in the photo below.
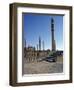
(39, 43)
(52, 35)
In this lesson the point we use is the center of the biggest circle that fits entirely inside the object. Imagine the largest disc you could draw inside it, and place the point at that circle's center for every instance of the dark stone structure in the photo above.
(52, 34)
(40, 43)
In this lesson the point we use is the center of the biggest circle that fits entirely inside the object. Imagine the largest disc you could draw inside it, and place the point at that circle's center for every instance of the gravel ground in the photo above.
(44, 67)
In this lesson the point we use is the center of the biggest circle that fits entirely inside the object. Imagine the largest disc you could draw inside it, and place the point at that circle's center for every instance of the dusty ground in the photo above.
(44, 67)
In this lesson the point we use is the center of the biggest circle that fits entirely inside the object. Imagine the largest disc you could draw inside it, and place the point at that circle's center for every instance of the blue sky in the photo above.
(36, 25)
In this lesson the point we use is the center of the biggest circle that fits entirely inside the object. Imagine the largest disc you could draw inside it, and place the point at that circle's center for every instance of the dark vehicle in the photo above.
(51, 58)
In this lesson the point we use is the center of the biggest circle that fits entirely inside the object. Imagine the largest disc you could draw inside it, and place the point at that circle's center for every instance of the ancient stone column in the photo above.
(40, 43)
(52, 35)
